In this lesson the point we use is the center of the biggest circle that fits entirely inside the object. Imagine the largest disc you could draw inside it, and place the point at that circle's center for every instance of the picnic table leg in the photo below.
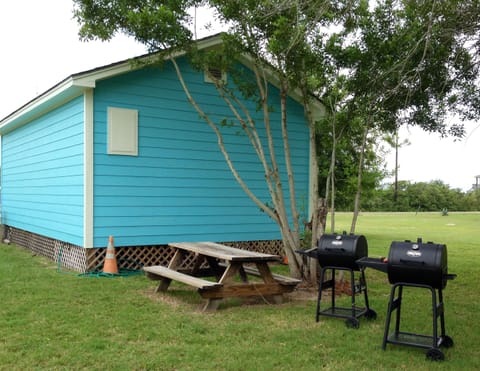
(164, 284)
(176, 259)
(232, 269)
(198, 260)
(212, 304)
(174, 264)
(267, 277)
(227, 276)
(215, 267)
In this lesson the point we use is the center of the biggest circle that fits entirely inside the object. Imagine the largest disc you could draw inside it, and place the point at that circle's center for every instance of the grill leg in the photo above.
(352, 285)
(324, 285)
(399, 309)
(333, 288)
(435, 318)
(445, 340)
(387, 322)
(442, 312)
(320, 289)
(352, 313)
(412, 339)
(369, 313)
(363, 283)
(393, 304)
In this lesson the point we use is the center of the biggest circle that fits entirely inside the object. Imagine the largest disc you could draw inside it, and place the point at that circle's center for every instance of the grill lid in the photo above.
(341, 250)
(418, 263)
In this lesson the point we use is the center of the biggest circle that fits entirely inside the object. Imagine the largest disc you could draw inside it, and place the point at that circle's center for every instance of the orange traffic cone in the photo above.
(110, 264)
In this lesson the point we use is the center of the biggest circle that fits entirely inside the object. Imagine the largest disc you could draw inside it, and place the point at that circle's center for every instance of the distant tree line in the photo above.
(422, 196)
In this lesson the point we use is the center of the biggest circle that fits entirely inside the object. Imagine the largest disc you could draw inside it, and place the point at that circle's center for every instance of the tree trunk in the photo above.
(356, 208)
(311, 266)
(330, 184)
(395, 190)
(332, 195)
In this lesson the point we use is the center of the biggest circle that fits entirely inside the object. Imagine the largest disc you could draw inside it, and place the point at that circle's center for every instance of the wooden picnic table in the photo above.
(230, 268)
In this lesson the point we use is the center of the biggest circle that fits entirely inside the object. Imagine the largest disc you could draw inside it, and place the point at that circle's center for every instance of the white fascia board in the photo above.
(88, 79)
(63, 92)
(76, 84)
(55, 97)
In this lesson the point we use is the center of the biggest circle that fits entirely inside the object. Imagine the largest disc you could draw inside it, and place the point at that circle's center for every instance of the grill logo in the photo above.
(414, 254)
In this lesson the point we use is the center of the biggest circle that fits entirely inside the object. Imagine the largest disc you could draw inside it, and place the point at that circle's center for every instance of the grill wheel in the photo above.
(447, 342)
(435, 354)
(370, 314)
(352, 323)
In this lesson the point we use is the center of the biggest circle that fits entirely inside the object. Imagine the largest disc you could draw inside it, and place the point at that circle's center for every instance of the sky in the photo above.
(39, 47)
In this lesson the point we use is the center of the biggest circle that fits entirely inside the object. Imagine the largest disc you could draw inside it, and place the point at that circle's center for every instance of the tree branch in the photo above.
(221, 144)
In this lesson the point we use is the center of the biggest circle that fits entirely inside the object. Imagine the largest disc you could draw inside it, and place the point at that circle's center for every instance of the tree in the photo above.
(394, 141)
(339, 140)
(472, 200)
(423, 196)
(409, 63)
(408, 66)
(403, 61)
(271, 36)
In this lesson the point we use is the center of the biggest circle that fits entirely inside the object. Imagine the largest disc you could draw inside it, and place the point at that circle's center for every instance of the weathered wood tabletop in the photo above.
(225, 264)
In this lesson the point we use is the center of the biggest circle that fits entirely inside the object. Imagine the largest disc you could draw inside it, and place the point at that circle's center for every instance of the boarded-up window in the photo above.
(122, 131)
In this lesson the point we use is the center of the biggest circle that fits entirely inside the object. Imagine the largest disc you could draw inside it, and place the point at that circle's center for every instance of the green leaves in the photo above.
(157, 24)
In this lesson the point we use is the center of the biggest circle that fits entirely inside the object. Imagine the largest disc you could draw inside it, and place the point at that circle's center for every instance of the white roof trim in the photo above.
(76, 84)
(65, 90)
(88, 79)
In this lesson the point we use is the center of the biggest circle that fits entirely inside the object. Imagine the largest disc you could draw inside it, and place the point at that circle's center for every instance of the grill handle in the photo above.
(412, 262)
(334, 249)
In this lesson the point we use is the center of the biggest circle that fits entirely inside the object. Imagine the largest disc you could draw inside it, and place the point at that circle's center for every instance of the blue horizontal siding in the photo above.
(179, 187)
(42, 174)
(167, 204)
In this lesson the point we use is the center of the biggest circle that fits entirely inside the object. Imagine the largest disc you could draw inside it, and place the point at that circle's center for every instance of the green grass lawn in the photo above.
(59, 320)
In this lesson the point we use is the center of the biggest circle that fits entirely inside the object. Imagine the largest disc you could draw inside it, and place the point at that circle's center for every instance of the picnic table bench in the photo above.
(229, 269)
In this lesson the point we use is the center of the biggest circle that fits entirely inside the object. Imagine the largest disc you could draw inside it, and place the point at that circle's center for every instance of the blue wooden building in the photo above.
(119, 151)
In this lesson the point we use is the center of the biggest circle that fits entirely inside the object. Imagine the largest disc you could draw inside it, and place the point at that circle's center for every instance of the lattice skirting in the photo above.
(83, 260)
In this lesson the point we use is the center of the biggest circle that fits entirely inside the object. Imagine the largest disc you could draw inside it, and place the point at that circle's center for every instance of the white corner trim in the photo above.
(88, 170)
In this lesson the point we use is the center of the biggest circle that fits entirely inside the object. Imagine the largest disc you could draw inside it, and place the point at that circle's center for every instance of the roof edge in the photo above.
(75, 84)
(39, 103)
(78, 83)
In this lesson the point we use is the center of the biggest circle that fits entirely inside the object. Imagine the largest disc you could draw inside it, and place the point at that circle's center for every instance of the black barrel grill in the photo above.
(420, 265)
(340, 252)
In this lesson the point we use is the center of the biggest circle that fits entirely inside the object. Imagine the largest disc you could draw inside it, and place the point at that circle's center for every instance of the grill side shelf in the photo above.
(312, 253)
(374, 263)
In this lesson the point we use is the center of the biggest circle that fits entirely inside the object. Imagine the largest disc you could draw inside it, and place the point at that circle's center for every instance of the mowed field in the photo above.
(58, 320)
